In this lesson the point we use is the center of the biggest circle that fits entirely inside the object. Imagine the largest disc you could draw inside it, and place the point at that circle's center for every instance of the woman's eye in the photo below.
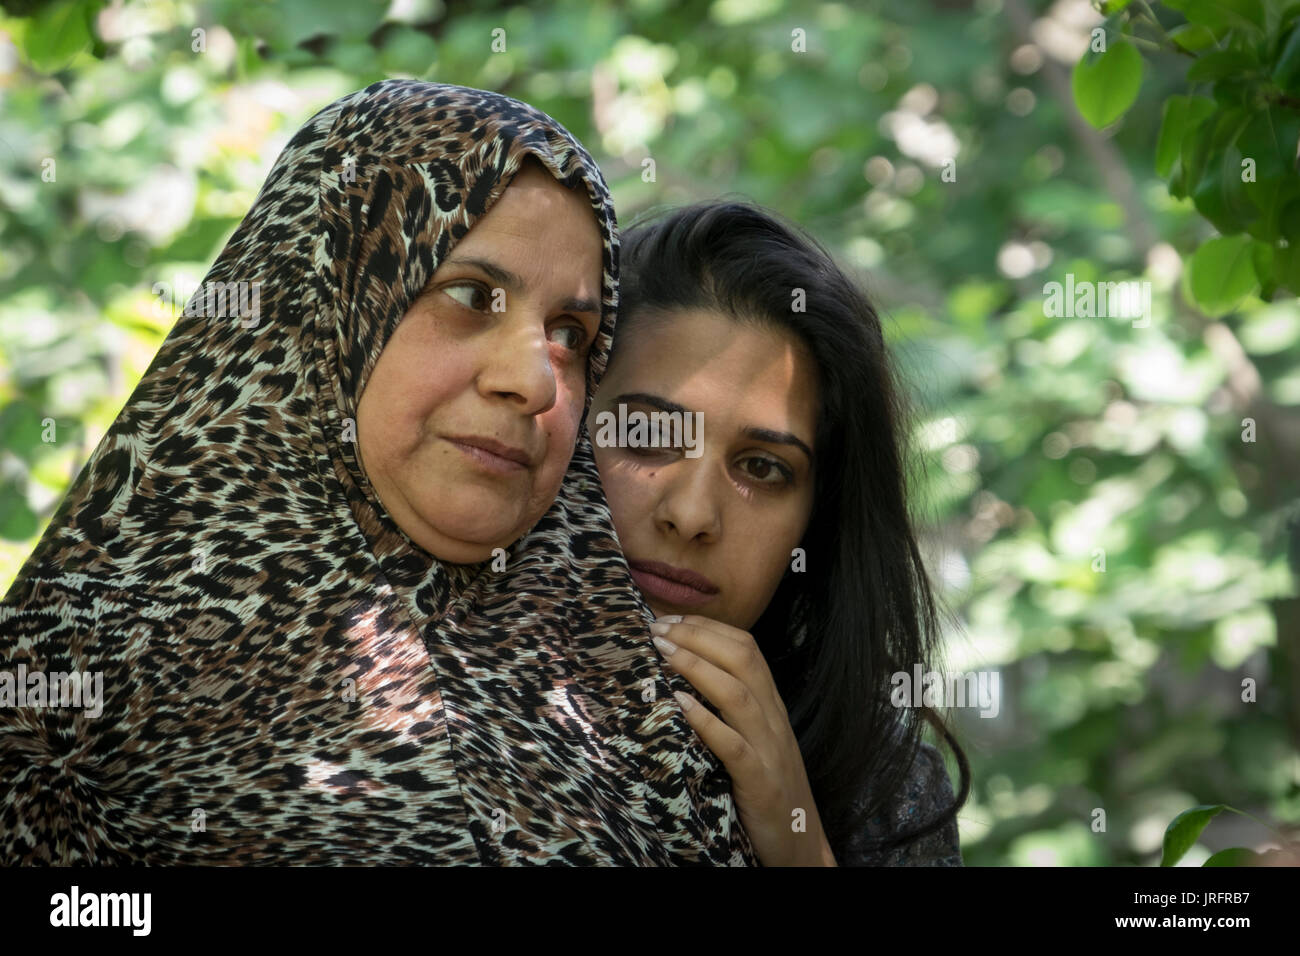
(575, 336)
(766, 470)
(470, 296)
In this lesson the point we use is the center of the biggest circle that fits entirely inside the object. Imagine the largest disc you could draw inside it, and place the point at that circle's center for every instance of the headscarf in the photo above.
(287, 677)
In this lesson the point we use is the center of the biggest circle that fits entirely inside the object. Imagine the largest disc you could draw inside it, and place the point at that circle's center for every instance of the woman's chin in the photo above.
(469, 544)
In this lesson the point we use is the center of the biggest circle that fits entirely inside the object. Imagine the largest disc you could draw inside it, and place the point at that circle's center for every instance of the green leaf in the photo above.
(248, 62)
(1270, 197)
(410, 52)
(1193, 37)
(348, 20)
(1287, 68)
(1271, 139)
(1221, 273)
(1187, 826)
(20, 430)
(58, 35)
(17, 521)
(1243, 13)
(1106, 84)
(1220, 64)
(1234, 856)
(1261, 257)
(1288, 222)
(1222, 15)
(1182, 115)
(1289, 18)
(1198, 146)
(1286, 267)
(1221, 196)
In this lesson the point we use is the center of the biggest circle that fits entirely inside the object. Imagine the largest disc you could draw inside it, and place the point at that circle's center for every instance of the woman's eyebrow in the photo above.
(771, 436)
(512, 283)
(777, 438)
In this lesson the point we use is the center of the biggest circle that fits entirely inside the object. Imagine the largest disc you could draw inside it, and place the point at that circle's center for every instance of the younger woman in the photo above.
(778, 551)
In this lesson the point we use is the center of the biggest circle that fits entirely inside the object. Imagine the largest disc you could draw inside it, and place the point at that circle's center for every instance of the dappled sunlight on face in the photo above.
(468, 422)
(712, 534)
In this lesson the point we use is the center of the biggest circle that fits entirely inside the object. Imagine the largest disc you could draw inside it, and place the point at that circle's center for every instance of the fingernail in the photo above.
(660, 627)
(665, 645)
(670, 619)
(685, 700)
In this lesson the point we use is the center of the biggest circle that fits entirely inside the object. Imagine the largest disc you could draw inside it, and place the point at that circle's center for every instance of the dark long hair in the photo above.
(863, 609)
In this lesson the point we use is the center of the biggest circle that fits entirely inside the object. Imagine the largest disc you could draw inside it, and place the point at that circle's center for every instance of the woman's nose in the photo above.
(688, 506)
(517, 365)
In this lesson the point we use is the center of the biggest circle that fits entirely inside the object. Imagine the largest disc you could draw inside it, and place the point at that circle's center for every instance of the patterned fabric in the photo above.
(287, 678)
(926, 792)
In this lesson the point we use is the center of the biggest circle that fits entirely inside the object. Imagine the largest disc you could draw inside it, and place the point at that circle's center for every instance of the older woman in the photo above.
(343, 563)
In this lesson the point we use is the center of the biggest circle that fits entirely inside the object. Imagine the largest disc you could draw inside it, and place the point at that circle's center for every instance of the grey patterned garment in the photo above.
(925, 793)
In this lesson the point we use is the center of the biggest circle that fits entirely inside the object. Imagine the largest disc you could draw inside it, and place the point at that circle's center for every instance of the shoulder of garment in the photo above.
(925, 793)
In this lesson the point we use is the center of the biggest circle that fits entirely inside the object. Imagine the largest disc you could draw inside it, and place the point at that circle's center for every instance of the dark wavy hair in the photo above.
(864, 609)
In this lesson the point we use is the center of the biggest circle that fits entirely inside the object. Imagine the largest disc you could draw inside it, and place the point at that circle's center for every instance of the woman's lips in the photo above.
(489, 460)
(671, 585)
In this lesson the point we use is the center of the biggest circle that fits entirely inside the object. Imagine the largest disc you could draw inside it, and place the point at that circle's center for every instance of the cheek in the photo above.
(765, 561)
(561, 425)
(773, 569)
(621, 492)
(409, 395)
(788, 534)
(375, 432)
(630, 491)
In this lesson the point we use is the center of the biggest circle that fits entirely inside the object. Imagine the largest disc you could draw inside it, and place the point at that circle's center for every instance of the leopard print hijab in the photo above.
(286, 677)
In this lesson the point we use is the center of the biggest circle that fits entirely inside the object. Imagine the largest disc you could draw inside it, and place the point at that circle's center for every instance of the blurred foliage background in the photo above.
(1107, 507)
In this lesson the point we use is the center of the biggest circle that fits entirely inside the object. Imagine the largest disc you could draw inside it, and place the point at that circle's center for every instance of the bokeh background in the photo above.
(135, 135)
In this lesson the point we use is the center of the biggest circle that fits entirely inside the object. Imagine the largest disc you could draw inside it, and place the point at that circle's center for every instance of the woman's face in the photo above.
(733, 515)
(468, 422)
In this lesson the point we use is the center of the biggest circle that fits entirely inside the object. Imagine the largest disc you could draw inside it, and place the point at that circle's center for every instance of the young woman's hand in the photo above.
(754, 739)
